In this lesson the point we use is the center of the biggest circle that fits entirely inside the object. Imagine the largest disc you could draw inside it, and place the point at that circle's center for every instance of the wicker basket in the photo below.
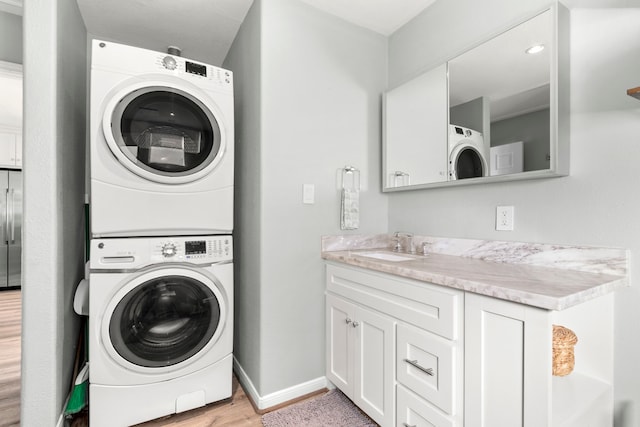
(563, 358)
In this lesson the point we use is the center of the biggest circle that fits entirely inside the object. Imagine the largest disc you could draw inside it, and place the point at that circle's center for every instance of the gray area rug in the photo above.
(331, 409)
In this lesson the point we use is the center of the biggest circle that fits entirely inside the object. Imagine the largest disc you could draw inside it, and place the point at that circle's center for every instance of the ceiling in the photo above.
(205, 29)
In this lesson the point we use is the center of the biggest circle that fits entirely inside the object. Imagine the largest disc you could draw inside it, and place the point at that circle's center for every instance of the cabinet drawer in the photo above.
(434, 308)
(413, 411)
(425, 364)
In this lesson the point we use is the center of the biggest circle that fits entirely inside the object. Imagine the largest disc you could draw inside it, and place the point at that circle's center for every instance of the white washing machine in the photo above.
(467, 154)
(160, 326)
(161, 142)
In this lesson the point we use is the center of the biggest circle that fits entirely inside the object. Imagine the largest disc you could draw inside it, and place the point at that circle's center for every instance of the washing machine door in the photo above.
(164, 132)
(164, 318)
(466, 162)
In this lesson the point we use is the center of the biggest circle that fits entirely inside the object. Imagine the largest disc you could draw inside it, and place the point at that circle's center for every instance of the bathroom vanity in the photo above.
(462, 336)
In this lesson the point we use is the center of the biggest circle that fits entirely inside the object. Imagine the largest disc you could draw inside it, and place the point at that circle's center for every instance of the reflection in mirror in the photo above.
(504, 115)
(415, 122)
(499, 95)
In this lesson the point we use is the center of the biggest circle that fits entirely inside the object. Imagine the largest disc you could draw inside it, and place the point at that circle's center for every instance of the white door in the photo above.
(507, 159)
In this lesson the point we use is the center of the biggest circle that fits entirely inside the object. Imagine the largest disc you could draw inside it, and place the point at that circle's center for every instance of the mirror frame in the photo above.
(558, 109)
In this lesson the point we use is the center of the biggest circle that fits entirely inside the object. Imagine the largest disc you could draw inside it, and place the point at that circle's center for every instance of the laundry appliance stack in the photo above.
(161, 251)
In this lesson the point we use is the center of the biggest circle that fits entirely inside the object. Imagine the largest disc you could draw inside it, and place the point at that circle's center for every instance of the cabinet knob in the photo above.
(409, 425)
(348, 320)
(355, 324)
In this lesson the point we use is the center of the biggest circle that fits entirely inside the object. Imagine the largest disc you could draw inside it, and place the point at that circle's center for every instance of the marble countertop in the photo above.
(551, 277)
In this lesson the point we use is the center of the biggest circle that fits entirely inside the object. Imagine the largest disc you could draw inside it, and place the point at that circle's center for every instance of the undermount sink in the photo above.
(386, 256)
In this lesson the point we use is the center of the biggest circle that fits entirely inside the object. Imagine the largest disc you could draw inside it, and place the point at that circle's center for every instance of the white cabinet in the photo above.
(361, 345)
(508, 369)
(386, 334)
(410, 353)
(10, 148)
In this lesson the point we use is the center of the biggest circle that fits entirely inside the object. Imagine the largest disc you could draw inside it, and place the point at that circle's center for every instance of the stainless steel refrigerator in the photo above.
(10, 228)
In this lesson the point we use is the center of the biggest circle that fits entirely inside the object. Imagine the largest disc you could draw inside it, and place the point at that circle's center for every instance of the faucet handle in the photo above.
(425, 250)
(397, 247)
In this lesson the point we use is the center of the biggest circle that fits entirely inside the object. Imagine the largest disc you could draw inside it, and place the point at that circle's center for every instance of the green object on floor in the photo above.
(79, 394)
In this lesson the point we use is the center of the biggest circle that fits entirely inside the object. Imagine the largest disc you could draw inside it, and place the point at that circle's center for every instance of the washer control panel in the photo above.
(137, 252)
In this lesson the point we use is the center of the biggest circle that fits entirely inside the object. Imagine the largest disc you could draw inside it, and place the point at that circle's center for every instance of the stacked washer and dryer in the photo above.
(161, 251)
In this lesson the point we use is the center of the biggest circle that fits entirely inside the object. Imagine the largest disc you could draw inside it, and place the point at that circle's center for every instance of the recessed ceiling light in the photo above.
(536, 48)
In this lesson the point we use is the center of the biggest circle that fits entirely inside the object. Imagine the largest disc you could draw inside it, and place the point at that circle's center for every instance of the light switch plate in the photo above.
(308, 194)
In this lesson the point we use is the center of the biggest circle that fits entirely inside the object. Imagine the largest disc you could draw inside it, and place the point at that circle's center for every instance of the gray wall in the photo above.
(10, 37)
(53, 251)
(320, 81)
(597, 204)
(244, 59)
(533, 130)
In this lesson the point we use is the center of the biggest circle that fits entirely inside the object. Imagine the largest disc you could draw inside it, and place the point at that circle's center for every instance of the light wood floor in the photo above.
(10, 330)
(236, 411)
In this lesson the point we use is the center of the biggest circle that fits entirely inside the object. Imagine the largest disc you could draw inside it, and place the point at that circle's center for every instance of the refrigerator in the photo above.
(10, 228)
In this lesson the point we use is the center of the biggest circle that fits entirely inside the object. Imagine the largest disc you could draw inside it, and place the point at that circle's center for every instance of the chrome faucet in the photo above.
(398, 235)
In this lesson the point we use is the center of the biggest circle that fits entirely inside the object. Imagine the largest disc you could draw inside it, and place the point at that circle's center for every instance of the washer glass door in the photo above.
(164, 321)
(164, 131)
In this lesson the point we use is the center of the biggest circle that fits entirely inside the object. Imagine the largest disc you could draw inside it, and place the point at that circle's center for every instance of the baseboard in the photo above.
(279, 397)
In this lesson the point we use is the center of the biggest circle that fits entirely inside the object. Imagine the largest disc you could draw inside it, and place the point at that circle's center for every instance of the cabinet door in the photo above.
(340, 343)
(7, 149)
(374, 364)
(507, 364)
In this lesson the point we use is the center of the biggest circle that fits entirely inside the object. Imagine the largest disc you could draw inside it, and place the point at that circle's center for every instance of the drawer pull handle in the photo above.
(407, 425)
(414, 363)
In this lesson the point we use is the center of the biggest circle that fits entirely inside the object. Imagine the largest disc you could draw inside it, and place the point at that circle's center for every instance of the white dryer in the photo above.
(467, 154)
(160, 326)
(161, 142)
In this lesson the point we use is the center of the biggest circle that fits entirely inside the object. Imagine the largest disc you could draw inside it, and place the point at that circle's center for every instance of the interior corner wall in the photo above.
(596, 204)
(10, 37)
(322, 80)
(53, 232)
(244, 59)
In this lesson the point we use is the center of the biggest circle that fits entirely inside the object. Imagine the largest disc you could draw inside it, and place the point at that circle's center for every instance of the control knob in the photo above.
(169, 250)
(169, 63)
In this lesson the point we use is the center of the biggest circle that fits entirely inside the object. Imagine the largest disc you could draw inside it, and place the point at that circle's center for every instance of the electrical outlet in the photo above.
(504, 218)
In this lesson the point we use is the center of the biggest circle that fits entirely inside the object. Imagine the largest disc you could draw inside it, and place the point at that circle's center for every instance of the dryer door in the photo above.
(164, 133)
(466, 162)
(164, 318)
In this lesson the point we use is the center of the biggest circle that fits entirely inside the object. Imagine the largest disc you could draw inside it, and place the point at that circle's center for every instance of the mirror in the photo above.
(493, 113)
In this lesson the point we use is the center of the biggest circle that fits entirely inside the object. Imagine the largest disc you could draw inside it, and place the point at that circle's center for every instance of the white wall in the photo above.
(320, 85)
(597, 204)
(53, 233)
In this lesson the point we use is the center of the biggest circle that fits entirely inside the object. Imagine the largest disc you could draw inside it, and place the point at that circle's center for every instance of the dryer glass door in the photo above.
(164, 321)
(468, 164)
(165, 131)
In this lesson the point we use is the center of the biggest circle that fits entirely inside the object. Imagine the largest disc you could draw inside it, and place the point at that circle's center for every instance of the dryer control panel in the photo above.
(125, 253)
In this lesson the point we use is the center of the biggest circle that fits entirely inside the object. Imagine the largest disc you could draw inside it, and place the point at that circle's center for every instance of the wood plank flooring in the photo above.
(233, 412)
(10, 331)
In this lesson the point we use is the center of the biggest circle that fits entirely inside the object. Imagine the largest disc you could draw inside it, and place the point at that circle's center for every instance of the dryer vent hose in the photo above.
(174, 50)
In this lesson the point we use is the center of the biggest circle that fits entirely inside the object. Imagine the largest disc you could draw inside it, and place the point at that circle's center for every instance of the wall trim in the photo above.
(278, 397)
